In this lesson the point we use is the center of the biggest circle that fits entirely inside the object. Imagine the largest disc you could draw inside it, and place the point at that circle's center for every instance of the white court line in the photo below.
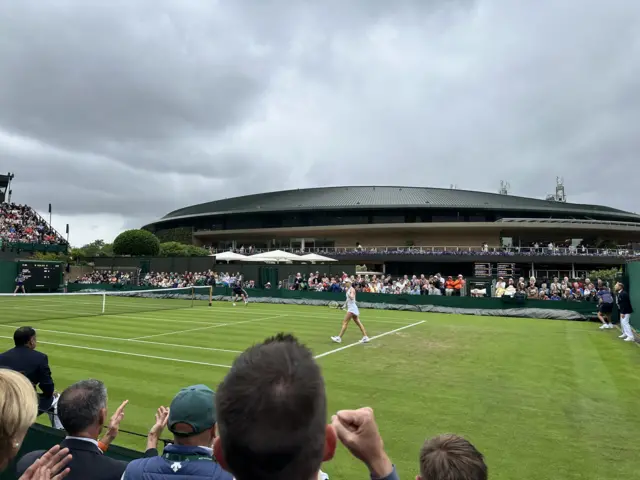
(372, 338)
(205, 328)
(132, 354)
(102, 337)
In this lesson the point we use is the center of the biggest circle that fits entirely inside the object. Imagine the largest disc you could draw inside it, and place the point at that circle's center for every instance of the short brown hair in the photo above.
(272, 412)
(450, 457)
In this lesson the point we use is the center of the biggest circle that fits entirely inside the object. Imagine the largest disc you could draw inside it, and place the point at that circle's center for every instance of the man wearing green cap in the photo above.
(192, 420)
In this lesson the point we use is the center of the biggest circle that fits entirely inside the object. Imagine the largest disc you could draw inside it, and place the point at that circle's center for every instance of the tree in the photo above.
(609, 276)
(50, 256)
(177, 249)
(97, 248)
(136, 243)
(172, 249)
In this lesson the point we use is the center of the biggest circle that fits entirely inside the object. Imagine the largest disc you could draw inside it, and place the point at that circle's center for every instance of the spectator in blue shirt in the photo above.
(192, 420)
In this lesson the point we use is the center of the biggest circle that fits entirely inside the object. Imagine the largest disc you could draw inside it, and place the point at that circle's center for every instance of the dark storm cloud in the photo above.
(138, 108)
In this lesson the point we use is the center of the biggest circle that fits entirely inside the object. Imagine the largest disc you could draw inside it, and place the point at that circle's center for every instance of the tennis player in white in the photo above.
(352, 314)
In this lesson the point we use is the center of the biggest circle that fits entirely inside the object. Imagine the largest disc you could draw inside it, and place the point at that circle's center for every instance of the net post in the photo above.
(104, 301)
(193, 296)
(210, 295)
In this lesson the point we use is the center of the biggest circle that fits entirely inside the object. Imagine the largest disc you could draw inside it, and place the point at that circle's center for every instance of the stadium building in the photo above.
(389, 227)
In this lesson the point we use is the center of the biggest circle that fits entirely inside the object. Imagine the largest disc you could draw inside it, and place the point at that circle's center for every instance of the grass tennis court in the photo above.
(542, 399)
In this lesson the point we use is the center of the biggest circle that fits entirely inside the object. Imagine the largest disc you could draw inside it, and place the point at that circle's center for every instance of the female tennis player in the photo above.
(352, 314)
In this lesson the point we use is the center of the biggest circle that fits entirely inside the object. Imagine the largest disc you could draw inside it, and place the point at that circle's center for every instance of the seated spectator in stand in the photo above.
(272, 411)
(191, 418)
(458, 285)
(511, 288)
(82, 409)
(449, 286)
(34, 365)
(18, 411)
(449, 457)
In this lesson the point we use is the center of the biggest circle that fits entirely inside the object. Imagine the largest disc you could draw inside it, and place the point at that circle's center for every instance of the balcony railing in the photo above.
(621, 252)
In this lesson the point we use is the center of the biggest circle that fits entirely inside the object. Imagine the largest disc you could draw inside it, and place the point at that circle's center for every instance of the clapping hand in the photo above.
(114, 424)
(162, 417)
(51, 466)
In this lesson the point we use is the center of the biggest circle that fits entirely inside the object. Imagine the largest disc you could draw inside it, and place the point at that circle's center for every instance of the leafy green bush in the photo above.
(609, 276)
(177, 249)
(136, 243)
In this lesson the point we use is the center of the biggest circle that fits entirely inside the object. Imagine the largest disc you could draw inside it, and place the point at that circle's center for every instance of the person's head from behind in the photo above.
(192, 417)
(450, 457)
(272, 413)
(25, 337)
(18, 411)
(82, 408)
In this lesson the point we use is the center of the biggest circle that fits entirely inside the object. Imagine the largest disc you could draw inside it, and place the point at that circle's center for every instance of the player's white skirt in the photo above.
(353, 309)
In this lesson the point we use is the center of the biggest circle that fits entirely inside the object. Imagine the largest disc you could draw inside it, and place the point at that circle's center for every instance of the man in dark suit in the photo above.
(34, 365)
(82, 409)
(625, 309)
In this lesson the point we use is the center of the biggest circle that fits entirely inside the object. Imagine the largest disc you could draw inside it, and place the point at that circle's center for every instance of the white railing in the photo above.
(453, 250)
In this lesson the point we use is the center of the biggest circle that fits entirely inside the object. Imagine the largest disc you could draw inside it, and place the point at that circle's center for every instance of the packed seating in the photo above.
(22, 224)
(106, 276)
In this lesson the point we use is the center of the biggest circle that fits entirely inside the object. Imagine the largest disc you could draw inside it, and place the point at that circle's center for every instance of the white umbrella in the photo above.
(230, 257)
(313, 257)
(275, 256)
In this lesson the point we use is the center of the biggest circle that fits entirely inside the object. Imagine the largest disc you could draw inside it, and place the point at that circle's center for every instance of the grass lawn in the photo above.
(542, 399)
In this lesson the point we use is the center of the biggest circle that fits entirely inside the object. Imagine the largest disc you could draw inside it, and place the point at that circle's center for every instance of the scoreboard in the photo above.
(40, 275)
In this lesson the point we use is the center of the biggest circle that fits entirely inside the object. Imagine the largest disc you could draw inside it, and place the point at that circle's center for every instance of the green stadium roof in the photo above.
(340, 198)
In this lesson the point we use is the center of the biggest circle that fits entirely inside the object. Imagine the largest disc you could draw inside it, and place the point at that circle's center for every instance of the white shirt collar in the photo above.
(84, 439)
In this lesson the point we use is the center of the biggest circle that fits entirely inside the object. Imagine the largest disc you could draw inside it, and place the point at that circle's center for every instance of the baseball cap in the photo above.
(193, 406)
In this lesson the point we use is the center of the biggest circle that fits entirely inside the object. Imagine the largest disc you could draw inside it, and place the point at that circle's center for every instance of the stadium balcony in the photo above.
(544, 251)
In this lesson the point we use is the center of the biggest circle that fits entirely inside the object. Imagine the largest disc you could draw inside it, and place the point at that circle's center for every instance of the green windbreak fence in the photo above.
(41, 437)
(633, 272)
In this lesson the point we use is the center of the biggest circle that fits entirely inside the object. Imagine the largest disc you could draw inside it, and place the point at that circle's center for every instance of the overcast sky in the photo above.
(119, 114)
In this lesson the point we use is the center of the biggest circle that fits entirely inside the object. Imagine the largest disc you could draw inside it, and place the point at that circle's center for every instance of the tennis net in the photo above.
(29, 307)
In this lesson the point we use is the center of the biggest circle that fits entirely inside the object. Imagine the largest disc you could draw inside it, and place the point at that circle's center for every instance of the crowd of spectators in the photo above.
(21, 224)
(266, 420)
(414, 285)
(106, 276)
(554, 289)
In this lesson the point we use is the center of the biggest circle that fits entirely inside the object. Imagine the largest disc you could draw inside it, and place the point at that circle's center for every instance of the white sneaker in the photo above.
(365, 339)
(622, 336)
(336, 339)
(610, 325)
(629, 339)
(603, 326)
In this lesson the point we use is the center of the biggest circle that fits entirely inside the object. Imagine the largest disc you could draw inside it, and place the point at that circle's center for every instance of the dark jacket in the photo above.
(35, 366)
(198, 464)
(88, 462)
(624, 303)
